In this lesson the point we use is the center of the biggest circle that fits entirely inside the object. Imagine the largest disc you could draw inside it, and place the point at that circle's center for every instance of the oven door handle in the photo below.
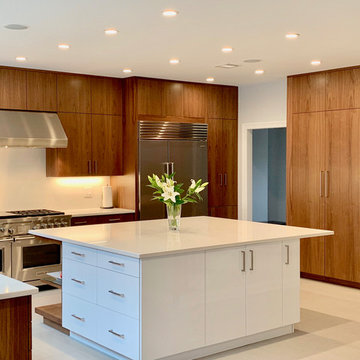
(25, 237)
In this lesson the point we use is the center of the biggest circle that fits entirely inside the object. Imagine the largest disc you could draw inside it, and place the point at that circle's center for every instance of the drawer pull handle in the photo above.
(78, 281)
(251, 260)
(116, 293)
(110, 220)
(80, 222)
(116, 263)
(243, 261)
(287, 262)
(77, 254)
(78, 318)
(122, 336)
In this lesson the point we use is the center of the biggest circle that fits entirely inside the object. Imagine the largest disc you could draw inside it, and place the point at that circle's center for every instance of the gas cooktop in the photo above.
(33, 213)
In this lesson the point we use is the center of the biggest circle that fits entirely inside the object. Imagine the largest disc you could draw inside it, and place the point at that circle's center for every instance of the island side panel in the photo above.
(173, 304)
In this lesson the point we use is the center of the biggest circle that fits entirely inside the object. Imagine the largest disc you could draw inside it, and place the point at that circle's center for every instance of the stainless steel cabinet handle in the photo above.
(221, 179)
(287, 262)
(326, 183)
(95, 167)
(116, 293)
(251, 260)
(166, 168)
(243, 260)
(122, 336)
(77, 317)
(78, 254)
(116, 263)
(171, 168)
(112, 220)
(321, 177)
(225, 179)
(78, 281)
(89, 166)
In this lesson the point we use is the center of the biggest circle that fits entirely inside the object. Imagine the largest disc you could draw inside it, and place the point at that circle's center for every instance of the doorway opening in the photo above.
(263, 172)
(269, 176)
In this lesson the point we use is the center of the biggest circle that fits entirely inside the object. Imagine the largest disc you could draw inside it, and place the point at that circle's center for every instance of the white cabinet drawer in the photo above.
(119, 333)
(79, 253)
(79, 316)
(118, 263)
(79, 280)
(118, 292)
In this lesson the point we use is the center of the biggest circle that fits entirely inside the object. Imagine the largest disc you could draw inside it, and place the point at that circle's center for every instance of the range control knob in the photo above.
(43, 226)
(2, 229)
(51, 225)
(57, 224)
(11, 231)
(63, 223)
(36, 227)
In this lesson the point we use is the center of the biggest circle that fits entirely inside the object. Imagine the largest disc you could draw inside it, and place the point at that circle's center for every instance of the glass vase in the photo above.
(174, 215)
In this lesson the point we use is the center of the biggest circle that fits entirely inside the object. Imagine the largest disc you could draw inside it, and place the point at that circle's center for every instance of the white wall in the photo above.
(24, 185)
(259, 103)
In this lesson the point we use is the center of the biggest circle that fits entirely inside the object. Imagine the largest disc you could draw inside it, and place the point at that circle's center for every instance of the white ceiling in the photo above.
(146, 41)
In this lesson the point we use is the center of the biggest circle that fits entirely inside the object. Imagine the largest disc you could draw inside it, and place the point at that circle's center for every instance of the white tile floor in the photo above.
(329, 330)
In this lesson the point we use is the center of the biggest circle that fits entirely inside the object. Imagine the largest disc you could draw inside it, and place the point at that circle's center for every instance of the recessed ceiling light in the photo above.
(259, 72)
(252, 61)
(16, 27)
(316, 62)
(227, 49)
(210, 79)
(170, 13)
(174, 61)
(20, 58)
(127, 71)
(111, 31)
(292, 35)
(64, 46)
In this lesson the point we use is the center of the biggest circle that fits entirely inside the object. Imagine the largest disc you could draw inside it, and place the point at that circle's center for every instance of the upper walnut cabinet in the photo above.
(74, 93)
(12, 89)
(149, 97)
(106, 96)
(222, 102)
(41, 91)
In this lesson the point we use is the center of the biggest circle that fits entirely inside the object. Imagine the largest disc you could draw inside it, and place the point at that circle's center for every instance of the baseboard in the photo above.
(330, 280)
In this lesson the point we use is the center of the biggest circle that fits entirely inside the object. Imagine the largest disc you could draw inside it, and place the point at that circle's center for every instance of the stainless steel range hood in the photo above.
(31, 129)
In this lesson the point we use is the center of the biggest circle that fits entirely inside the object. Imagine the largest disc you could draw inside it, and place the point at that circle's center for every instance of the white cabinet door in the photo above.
(291, 281)
(225, 294)
(264, 293)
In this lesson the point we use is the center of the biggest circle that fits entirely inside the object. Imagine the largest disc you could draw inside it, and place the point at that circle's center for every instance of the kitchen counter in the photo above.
(11, 288)
(97, 212)
(140, 239)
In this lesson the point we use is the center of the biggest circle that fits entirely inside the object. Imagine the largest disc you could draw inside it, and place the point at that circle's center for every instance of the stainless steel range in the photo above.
(26, 257)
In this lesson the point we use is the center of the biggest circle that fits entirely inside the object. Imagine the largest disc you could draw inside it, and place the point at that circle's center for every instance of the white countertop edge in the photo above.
(12, 288)
(177, 251)
(97, 212)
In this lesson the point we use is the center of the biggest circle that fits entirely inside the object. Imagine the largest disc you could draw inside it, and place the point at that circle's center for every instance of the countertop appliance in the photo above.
(26, 257)
(167, 147)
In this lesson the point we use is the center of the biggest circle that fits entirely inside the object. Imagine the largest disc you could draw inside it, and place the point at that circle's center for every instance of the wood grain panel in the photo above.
(107, 145)
(101, 219)
(214, 101)
(74, 160)
(172, 99)
(106, 96)
(342, 251)
(41, 91)
(15, 328)
(229, 161)
(308, 92)
(230, 102)
(228, 212)
(12, 89)
(305, 160)
(149, 97)
(215, 165)
(194, 100)
(73, 93)
(343, 89)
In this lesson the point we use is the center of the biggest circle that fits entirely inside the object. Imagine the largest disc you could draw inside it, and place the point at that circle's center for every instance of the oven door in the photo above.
(33, 257)
(5, 256)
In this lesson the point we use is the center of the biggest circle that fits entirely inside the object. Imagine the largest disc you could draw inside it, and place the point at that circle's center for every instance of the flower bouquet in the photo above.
(169, 192)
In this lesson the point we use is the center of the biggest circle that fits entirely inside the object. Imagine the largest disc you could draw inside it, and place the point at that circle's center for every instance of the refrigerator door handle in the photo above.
(171, 167)
(166, 168)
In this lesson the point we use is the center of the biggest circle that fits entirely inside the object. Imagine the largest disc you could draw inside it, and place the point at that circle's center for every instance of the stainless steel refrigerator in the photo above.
(167, 147)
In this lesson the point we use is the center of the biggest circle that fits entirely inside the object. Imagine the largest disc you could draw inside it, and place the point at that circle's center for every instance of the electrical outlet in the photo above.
(88, 192)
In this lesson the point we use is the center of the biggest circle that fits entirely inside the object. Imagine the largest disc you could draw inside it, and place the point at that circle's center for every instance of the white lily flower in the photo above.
(193, 184)
(169, 193)
(158, 181)
(201, 188)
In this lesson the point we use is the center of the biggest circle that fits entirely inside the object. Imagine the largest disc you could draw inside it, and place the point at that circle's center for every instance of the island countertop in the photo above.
(12, 288)
(140, 239)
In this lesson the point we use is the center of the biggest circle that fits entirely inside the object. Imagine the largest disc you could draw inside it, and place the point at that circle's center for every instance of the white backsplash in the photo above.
(24, 185)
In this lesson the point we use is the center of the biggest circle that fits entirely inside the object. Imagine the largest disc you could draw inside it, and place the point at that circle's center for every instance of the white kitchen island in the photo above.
(136, 290)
